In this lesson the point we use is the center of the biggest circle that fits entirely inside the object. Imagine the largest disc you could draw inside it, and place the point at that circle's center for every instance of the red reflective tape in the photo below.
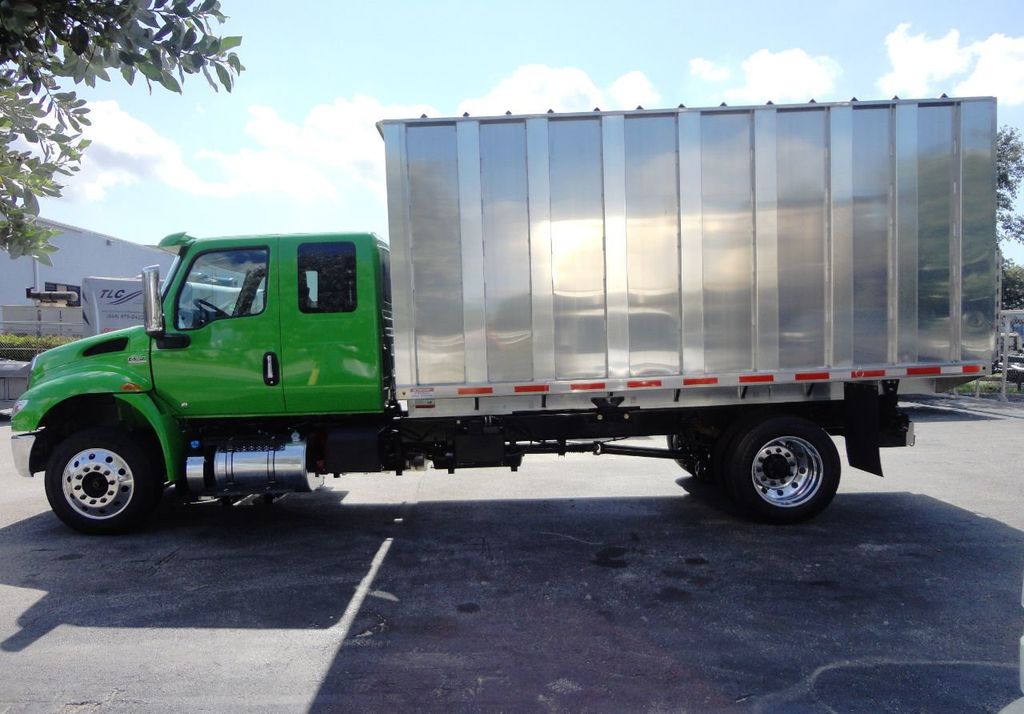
(525, 388)
(858, 373)
(424, 406)
(971, 368)
(697, 381)
(586, 385)
(643, 383)
(476, 390)
(914, 371)
(811, 376)
(749, 378)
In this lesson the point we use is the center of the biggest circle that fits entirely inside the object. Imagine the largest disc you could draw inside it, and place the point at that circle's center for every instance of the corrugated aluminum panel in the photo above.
(728, 241)
(872, 181)
(801, 174)
(435, 247)
(506, 220)
(652, 236)
(978, 211)
(655, 244)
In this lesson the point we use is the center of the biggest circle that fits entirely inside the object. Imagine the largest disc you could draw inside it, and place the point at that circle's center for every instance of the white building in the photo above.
(82, 253)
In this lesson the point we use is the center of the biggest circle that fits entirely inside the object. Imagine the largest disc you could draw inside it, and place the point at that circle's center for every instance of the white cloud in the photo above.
(923, 67)
(918, 62)
(633, 89)
(125, 151)
(535, 88)
(998, 71)
(789, 75)
(335, 144)
(708, 71)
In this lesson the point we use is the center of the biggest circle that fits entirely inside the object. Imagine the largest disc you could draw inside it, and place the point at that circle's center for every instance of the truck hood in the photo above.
(123, 351)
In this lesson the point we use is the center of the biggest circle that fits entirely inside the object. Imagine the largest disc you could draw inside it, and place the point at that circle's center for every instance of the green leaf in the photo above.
(209, 79)
(167, 79)
(164, 31)
(79, 40)
(150, 71)
(224, 76)
(229, 43)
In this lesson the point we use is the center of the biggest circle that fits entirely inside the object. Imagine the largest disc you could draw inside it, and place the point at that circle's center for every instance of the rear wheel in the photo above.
(782, 470)
(100, 481)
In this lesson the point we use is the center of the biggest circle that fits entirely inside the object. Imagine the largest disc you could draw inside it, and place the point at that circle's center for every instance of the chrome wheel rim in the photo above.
(787, 472)
(98, 484)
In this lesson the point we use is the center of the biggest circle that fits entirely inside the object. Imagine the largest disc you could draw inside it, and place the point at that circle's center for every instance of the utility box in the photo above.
(700, 243)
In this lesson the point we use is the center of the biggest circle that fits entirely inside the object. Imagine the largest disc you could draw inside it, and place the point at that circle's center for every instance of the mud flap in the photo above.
(861, 414)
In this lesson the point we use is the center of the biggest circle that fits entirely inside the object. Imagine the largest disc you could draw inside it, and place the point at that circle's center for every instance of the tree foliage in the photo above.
(1012, 293)
(1009, 172)
(46, 45)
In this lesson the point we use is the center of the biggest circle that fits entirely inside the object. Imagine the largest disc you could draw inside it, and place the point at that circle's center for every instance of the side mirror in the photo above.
(152, 307)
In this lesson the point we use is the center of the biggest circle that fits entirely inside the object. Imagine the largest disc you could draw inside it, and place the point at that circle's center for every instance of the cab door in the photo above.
(220, 354)
(330, 311)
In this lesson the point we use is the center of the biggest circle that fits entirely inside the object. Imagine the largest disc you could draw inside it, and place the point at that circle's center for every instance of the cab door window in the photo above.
(222, 284)
(327, 277)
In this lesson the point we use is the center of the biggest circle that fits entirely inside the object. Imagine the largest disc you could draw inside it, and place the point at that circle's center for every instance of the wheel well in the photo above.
(89, 411)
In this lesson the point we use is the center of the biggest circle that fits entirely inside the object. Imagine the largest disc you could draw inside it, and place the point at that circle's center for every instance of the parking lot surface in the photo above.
(578, 583)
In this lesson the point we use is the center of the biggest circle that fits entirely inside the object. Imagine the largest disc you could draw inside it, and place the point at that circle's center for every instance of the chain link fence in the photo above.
(22, 348)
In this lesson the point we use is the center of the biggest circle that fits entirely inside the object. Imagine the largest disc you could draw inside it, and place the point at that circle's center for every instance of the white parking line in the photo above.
(349, 616)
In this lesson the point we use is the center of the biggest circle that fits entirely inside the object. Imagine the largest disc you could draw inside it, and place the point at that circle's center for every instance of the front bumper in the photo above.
(21, 447)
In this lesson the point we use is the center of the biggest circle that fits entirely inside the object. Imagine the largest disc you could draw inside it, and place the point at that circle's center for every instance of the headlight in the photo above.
(18, 406)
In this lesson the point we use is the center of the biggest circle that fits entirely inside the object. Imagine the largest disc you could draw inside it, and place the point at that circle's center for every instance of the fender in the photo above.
(166, 428)
(38, 400)
(126, 388)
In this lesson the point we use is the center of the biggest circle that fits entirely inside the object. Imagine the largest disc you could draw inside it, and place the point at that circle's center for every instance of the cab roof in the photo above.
(179, 240)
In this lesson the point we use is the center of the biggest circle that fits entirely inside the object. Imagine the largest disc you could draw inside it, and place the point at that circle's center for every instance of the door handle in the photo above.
(271, 370)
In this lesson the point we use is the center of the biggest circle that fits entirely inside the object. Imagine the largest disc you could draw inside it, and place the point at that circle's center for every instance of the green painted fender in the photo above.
(40, 399)
(172, 442)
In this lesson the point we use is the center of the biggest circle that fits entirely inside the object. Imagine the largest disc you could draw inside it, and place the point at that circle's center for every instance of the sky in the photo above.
(294, 147)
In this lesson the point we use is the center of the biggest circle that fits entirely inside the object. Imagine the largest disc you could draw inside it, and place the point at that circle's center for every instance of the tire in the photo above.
(99, 481)
(783, 469)
(698, 471)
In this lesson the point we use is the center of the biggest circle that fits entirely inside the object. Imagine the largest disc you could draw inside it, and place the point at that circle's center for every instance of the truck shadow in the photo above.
(605, 604)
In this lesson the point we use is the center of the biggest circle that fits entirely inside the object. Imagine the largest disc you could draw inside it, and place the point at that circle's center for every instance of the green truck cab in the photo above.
(250, 332)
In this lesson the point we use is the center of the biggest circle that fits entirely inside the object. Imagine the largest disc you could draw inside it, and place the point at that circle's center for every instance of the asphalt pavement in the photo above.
(579, 583)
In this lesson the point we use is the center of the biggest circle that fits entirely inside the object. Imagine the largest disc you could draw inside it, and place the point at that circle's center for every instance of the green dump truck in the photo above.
(746, 282)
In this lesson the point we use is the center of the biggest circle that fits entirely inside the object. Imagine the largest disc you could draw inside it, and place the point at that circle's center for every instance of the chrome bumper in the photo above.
(21, 447)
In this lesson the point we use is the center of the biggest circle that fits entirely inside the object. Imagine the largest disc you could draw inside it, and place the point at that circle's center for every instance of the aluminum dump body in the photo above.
(669, 249)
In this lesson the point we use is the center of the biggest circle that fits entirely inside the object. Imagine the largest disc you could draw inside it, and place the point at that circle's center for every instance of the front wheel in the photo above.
(100, 481)
(782, 470)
